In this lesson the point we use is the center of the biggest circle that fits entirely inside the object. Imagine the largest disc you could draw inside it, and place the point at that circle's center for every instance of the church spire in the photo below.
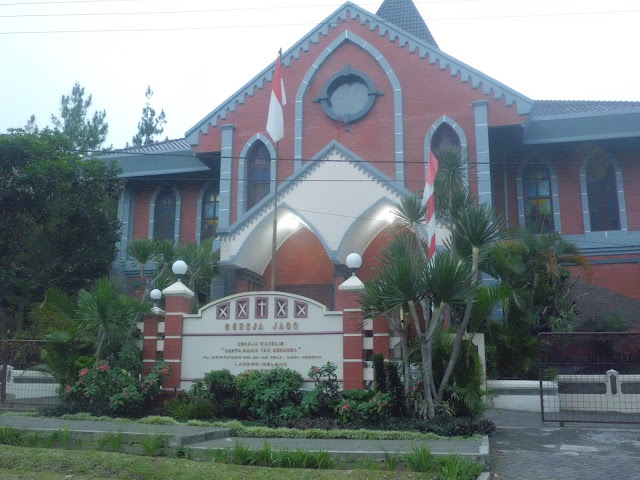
(404, 14)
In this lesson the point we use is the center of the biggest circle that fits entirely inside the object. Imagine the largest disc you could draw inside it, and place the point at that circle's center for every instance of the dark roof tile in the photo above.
(404, 14)
(164, 146)
(569, 107)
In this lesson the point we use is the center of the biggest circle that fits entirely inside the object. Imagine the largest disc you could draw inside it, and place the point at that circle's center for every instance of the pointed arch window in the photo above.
(445, 136)
(538, 206)
(164, 215)
(602, 195)
(258, 172)
(210, 205)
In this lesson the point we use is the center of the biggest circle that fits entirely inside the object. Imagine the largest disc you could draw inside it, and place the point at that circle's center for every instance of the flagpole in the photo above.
(275, 220)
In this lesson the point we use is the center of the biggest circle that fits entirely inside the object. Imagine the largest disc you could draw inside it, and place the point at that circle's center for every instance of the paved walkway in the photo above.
(524, 448)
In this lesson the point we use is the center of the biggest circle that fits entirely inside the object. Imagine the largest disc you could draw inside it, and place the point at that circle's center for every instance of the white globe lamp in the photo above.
(179, 268)
(354, 262)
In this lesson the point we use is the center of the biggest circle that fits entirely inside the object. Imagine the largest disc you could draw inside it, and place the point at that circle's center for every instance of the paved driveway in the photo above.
(523, 448)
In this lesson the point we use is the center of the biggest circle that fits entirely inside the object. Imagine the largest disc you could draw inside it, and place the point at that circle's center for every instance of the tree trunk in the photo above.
(457, 342)
(100, 346)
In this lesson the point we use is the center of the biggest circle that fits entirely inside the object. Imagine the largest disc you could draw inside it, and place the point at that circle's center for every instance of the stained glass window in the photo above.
(209, 225)
(538, 206)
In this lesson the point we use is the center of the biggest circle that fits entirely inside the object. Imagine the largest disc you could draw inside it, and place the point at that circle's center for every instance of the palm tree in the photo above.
(144, 251)
(202, 267)
(400, 280)
(106, 314)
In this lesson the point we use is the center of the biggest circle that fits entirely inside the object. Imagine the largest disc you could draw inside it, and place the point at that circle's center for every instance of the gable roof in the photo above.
(166, 146)
(426, 50)
(162, 158)
(404, 14)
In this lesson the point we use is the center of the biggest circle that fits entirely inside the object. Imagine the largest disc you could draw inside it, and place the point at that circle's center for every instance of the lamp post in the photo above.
(156, 295)
(353, 283)
(179, 269)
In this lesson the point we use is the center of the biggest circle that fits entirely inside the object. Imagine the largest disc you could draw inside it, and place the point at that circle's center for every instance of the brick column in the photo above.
(347, 295)
(178, 302)
(381, 336)
(149, 343)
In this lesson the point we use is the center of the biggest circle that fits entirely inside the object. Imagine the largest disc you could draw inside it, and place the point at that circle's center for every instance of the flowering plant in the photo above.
(366, 409)
(117, 388)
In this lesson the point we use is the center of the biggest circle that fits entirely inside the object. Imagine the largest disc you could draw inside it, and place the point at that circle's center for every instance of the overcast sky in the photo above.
(202, 51)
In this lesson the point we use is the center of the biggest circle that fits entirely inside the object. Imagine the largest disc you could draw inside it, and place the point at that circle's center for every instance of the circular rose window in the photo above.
(348, 96)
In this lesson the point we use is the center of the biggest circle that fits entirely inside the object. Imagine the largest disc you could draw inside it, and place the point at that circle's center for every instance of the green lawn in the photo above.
(45, 464)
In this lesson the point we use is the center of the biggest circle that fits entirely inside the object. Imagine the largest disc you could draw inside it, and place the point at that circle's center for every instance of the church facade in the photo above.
(369, 97)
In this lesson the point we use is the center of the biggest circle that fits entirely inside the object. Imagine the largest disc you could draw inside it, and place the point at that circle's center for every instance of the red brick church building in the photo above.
(369, 96)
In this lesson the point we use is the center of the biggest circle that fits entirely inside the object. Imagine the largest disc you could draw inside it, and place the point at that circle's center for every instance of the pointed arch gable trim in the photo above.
(297, 176)
(152, 212)
(341, 253)
(349, 36)
(464, 72)
(267, 220)
(242, 172)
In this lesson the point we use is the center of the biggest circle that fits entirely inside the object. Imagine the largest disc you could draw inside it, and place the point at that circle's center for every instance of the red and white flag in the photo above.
(429, 199)
(275, 120)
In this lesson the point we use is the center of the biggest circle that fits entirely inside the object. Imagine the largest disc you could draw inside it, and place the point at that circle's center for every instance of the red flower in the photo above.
(84, 372)
(345, 407)
(384, 404)
(374, 400)
(164, 371)
(415, 387)
(80, 382)
(68, 389)
(316, 369)
(104, 368)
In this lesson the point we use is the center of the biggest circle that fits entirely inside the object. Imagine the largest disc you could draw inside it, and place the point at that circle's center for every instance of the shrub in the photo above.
(395, 387)
(379, 373)
(219, 387)
(325, 395)
(369, 410)
(263, 394)
(185, 408)
(116, 390)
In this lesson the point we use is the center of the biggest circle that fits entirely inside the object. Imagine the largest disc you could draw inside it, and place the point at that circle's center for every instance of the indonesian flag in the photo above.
(275, 120)
(429, 199)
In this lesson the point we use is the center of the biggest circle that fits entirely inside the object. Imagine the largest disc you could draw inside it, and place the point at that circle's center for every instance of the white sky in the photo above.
(545, 49)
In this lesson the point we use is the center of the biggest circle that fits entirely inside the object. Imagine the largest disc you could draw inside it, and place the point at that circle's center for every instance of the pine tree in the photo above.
(86, 134)
(149, 125)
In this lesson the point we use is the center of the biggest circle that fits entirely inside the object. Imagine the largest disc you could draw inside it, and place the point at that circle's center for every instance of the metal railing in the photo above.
(22, 381)
(590, 377)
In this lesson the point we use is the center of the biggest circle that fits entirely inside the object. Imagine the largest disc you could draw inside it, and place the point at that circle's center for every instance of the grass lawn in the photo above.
(46, 464)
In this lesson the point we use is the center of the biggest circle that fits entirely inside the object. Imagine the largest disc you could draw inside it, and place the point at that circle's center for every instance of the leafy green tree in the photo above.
(58, 221)
(535, 268)
(87, 133)
(149, 125)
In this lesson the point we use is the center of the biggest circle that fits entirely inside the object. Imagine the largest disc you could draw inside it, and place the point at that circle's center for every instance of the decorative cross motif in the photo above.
(262, 306)
(223, 311)
(300, 309)
(281, 307)
(242, 308)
